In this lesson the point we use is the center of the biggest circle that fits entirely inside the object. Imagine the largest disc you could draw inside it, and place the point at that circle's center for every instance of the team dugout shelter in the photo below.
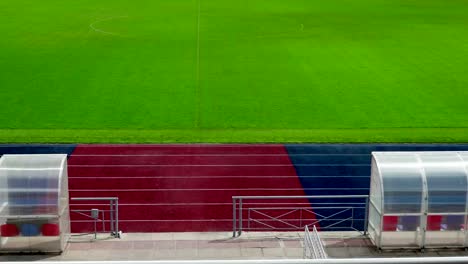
(34, 206)
(418, 200)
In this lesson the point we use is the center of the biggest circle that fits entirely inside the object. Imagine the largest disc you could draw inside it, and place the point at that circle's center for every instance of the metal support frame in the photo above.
(422, 235)
(366, 215)
(113, 214)
(313, 245)
(238, 208)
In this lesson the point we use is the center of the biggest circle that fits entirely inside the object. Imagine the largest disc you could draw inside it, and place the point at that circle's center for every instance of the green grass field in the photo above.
(234, 71)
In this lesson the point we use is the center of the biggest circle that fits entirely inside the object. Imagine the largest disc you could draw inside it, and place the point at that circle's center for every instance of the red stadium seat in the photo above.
(50, 230)
(390, 223)
(9, 230)
(433, 222)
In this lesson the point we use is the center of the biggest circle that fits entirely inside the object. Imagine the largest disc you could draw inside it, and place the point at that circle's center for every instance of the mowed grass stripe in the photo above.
(225, 71)
(394, 135)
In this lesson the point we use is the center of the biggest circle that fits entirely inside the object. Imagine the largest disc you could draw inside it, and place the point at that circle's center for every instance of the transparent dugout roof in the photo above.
(407, 177)
(32, 185)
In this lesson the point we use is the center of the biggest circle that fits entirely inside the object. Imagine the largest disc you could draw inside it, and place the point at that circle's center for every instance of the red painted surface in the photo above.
(390, 223)
(50, 230)
(183, 183)
(193, 159)
(190, 149)
(9, 230)
(433, 222)
(180, 170)
(165, 188)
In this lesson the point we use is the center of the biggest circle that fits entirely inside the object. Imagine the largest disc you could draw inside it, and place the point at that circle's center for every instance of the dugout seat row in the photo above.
(434, 223)
(27, 229)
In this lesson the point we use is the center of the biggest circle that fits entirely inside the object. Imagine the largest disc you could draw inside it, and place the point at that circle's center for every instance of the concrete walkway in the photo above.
(176, 246)
(218, 245)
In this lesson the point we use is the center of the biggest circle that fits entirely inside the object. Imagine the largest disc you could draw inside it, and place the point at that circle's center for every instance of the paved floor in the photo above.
(176, 246)
(354, 245)
(218, 245)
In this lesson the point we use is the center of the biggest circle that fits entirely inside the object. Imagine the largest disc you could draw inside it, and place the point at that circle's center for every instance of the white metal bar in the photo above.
(300, 196)
(312, 219)
(234, 217)
(269, 226)
(93, 198)
(286, 229)
(314, 208)
(277, 219)
(321, 246)
(307, 244)
(366, 216)
(465, 242)
(240, 216)
(116, 207)
(424, 204)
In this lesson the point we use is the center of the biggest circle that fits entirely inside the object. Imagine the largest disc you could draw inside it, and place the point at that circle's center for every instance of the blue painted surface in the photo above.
(344, 169)
(29, 230)
(366, 149)
(37, 149)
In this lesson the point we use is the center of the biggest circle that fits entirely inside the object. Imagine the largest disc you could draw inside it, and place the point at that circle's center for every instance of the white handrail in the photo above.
(299, 196)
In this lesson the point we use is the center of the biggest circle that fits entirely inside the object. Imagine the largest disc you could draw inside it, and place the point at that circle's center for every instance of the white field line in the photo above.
(93, 25)
(198, 40)
(197, 84)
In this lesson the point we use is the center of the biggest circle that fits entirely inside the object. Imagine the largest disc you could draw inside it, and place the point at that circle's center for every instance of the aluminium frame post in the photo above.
(300, 218)
(95, 229)
(103, 221)
(111, 216)
(117, 234)
(240, 216)
(366, 216)
(234, 217)
(248, 219)
(304, 251)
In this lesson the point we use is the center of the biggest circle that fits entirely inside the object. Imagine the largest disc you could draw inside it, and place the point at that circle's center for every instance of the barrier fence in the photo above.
(294, 213)
(94, 210)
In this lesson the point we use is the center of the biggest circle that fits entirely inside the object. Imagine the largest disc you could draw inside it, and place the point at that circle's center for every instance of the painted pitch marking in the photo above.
(197, 78)
(93, 25)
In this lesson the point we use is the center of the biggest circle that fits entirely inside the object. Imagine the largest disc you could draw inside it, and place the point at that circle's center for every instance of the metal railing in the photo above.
(313, 246)
(95, 212)
(280, 213)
